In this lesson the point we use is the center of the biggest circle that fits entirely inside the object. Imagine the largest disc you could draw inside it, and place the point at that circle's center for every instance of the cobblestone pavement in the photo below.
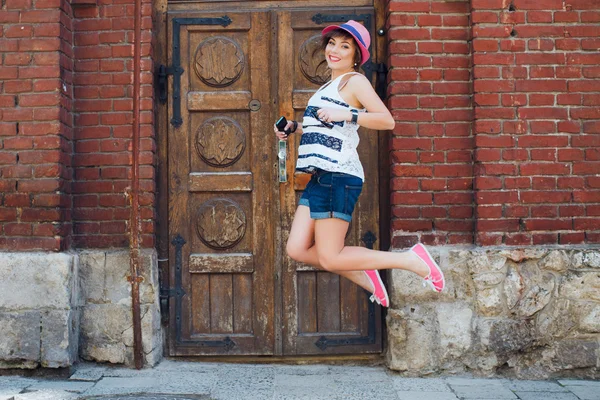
(177, 380)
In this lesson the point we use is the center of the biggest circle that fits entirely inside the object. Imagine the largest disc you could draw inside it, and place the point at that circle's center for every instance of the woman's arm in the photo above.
(377, 117)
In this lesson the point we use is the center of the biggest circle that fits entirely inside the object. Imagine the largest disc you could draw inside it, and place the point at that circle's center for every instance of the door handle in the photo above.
(282, 156)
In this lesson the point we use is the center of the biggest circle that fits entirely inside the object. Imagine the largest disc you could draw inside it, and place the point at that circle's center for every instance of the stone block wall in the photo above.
(40, 309)
(529, 313)
(56, 309)
(106, 318)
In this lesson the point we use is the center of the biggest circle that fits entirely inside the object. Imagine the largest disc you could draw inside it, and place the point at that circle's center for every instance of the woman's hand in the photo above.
(333, 115)
(282, 135)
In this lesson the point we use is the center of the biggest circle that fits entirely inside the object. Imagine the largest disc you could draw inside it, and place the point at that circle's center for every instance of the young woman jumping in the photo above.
(327, 150)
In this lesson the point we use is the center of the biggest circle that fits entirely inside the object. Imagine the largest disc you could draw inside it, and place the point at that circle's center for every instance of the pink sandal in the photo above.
(380, 294)
(435, 278)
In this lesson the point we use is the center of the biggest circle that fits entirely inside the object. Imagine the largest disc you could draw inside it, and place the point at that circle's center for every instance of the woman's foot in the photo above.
(379, 293)
(434, 277)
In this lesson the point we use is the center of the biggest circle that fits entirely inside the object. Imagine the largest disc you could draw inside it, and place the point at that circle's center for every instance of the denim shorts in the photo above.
(331, 195)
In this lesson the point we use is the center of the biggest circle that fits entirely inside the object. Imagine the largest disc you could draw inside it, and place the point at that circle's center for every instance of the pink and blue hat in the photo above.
(358, 32)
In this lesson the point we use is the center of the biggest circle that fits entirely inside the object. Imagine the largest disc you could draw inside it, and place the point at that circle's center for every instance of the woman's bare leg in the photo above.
(333, 256)
(300, 246)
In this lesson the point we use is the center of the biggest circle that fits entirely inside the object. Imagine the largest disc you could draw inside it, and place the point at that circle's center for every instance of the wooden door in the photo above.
(233, 290)
(220, 184)
(323, 313)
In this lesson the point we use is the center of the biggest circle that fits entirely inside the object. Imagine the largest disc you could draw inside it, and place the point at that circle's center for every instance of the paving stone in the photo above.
(150, 396)
(362, 390)
(163, 383)
(586, 392)
(467, 381)
(67, 386)
(14, 382)
(88, 373)
(224, 394)
(420, 384)
(46, 395)
(578, 382)
(487, 391)
(546, 396)
(533, 386)
(426, 396)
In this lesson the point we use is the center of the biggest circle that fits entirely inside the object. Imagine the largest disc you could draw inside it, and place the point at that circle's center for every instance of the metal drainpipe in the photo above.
(134, 226)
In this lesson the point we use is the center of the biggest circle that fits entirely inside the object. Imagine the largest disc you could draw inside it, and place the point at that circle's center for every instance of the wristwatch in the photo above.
(354, 116)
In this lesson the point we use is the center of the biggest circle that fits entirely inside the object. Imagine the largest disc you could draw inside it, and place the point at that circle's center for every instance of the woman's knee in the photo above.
(294, 251)
(328, 262)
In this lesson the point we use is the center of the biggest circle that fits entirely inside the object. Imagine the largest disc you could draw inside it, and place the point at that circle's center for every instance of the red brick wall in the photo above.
(35, 124)
(537, 96)
(432, 144)
(497, 108)
(535, 122)
(103, 81)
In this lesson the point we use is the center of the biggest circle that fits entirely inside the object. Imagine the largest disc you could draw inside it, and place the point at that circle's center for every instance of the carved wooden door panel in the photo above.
(220, 184)
(323, 313)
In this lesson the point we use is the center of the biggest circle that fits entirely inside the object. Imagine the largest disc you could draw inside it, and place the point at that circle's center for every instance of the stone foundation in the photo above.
(106, 320)
(57, 307)
(39, 309)
(526, 313)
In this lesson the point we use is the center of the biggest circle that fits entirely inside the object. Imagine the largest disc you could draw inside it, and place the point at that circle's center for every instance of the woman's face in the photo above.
(339, 53)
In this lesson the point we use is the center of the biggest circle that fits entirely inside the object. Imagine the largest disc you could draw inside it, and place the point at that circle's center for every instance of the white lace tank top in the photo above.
(329, 146)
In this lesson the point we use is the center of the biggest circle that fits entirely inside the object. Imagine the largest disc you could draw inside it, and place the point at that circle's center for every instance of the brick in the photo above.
(496, 197)
(571, 238)
(499, 225)
(586, 196)
(497, 169)
(411, 198)
(586, 168)
(545, 197)
(515, 155)
(406, 212)
(8, 214)
(431, 157)
(517, 183)
(18, 31)
(570, 182)
(517, 239)
(16, 171)
(544, 211)
(409, 184)
(18, 229)
(486, 183)
(39, 100)
(543, 155)
(571, 211)
(493, 212)
(544, 238)
(433, 184)
(412, 225)
(586, 224)
(17, 200)
(39, 214)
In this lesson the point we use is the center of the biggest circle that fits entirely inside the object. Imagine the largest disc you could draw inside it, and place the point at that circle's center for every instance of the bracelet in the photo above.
(354, 116)
(295, 127)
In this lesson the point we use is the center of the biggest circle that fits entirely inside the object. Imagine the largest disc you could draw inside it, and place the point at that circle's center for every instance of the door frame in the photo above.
(160, 57)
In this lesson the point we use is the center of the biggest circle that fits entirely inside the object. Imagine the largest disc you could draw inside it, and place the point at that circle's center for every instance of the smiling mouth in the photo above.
(334, 59)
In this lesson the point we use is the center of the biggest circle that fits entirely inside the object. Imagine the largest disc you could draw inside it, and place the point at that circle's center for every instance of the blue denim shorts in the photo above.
(331, 195)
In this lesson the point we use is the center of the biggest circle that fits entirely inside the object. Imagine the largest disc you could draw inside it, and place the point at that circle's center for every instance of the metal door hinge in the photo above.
(162, 74)
(381, 86)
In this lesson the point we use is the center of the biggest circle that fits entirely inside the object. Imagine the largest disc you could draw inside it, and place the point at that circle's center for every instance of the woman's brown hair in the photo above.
(340, 33)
